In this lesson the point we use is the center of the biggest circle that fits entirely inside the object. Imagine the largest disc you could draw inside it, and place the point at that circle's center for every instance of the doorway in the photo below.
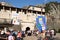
(27, 29)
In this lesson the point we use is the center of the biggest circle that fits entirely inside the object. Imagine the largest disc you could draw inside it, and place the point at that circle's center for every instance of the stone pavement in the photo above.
(30, 38)
(57, 37)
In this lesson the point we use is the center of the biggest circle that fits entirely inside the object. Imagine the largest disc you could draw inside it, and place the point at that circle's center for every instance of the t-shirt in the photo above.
(52, 31)
(19, 34)
(29, 31)
(10, 37)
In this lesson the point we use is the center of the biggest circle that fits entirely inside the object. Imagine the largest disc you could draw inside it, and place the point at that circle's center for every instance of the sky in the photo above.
(22, 3)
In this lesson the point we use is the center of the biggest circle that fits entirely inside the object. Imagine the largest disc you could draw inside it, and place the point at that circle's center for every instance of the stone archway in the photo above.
(27, 29)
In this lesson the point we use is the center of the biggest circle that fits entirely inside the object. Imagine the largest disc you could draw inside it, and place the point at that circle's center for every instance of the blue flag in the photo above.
(40, 22)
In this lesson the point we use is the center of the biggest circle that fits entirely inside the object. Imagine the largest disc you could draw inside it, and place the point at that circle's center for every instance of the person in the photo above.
(19, 36)
(52, 33)
(29, 32)
(10, 37)
(48, 34)
(43, 32)
(23, 34)
(14, 35)
(37, 32)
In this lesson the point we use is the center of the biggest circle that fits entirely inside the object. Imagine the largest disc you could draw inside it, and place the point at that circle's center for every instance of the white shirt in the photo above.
(10, 37)
(52, 31)
(29, 31)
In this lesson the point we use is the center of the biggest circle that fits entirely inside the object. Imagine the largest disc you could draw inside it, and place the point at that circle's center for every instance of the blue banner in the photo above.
(41, 23)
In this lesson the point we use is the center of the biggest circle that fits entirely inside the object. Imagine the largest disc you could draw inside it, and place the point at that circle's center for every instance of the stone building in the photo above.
(19, 18)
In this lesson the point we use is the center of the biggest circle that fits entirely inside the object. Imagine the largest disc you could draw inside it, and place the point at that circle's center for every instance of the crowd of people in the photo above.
(11, 35)
(14, 35)
(50, 34)
(19, 35)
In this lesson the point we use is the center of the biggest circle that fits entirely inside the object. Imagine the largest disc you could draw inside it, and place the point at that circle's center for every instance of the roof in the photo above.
(20, 8)
(10, 6)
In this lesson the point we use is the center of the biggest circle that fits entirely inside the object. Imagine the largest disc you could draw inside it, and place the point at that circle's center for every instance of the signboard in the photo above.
(15, 19)
(15, 22)
(41, 23)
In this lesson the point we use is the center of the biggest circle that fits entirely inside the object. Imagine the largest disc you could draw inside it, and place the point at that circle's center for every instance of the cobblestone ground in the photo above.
(57, 37)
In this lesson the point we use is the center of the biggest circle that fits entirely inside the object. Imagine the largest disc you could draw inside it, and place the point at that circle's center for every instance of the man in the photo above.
(43, 32)
(52, 32)
(10, 37)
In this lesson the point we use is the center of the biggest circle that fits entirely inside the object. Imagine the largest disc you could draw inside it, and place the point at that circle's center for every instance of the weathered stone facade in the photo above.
(27, 17)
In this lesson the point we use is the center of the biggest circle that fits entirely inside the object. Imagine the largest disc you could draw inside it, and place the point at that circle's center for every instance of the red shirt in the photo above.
(19, 34)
